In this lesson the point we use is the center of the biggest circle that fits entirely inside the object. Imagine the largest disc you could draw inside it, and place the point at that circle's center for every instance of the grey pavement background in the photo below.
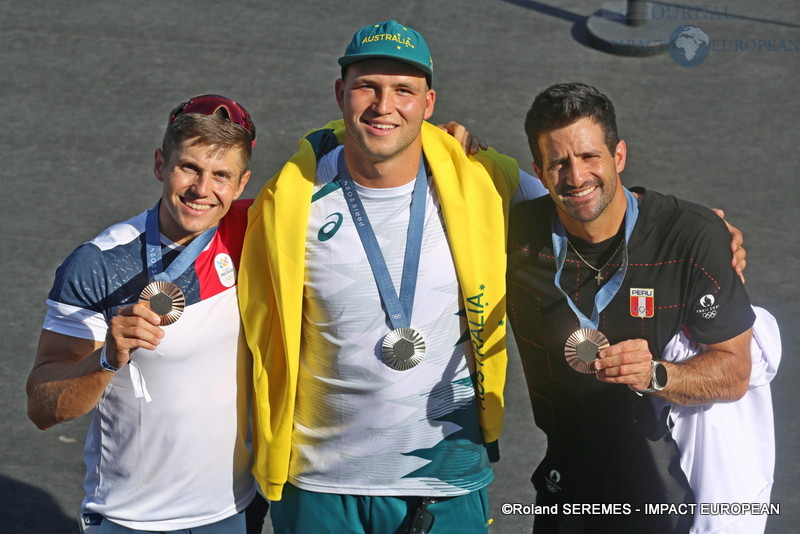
(86, 87)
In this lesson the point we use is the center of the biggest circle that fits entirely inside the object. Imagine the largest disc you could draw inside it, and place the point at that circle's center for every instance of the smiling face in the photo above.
(200, 183)
(582, 176)
(384, 103)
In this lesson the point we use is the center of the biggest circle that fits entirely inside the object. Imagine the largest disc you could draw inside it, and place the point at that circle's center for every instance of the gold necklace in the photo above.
(599, 276)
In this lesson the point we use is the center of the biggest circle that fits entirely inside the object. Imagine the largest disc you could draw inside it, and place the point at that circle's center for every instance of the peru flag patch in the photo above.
(642, 302)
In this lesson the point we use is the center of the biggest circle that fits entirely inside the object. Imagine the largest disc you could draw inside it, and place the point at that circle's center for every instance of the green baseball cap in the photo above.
(390, 40)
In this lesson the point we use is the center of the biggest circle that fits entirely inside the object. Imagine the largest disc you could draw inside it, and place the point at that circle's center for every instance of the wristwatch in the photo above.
(659, 377)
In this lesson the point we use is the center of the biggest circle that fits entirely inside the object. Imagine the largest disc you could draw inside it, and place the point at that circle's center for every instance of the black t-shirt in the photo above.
(604, 446)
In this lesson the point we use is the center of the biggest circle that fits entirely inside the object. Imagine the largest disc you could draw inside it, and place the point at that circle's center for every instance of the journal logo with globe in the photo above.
(688, 46)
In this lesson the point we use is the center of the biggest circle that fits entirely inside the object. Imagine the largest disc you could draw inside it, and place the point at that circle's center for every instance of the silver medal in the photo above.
(403, 348)
(164, 298)
(582, 349)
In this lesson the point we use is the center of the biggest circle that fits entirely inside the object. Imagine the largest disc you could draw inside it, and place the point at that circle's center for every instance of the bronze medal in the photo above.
(583, 348)
(164, 298)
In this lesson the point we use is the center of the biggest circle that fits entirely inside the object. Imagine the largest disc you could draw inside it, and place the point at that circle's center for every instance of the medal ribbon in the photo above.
(607, 292)
(139, 385)
(184, 259)
(398, 309)
(175, 269)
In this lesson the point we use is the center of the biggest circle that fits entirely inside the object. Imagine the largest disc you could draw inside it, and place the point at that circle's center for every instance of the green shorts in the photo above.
(300, 512)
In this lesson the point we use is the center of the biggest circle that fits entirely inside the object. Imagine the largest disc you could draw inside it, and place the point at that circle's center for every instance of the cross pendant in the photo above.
(599, 278)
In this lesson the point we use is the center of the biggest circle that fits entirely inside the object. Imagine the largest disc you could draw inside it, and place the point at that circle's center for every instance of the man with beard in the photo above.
(600, 280)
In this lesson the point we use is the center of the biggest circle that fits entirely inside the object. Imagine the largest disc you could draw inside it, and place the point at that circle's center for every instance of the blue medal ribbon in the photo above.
(606, 293)
(398, 309)
(154, 272)
(184, 259)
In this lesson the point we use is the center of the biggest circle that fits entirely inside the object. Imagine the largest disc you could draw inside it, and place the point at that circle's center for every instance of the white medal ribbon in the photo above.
(139, 385)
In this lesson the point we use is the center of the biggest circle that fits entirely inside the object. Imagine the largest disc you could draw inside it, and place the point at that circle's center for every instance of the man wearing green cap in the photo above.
(372, 293)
